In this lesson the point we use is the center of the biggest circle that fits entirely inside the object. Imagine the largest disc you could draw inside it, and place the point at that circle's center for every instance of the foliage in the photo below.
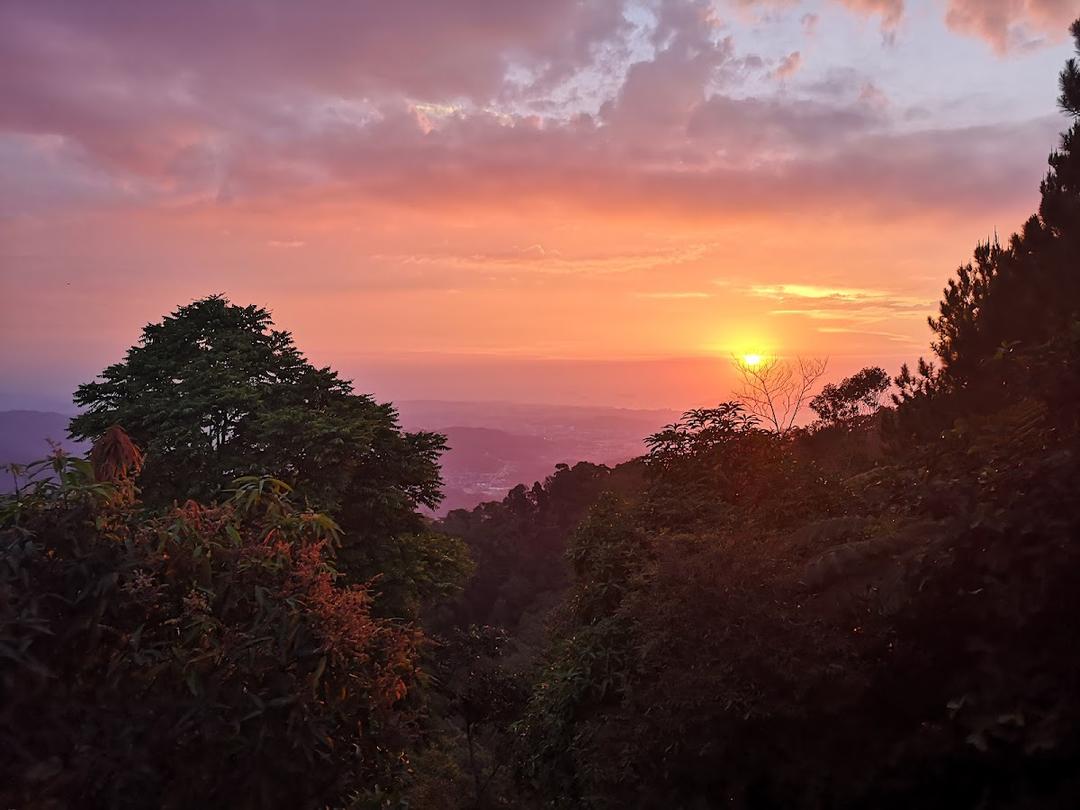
(716, 466)
(785, 621)
(416, 574)
(206, 654)
(1070, 81)
(757, 660)
(213, 393)
(853, 397)
(588, 665)
(699, 435)
(50, 484)
(518, 545)
(523, 570)
(482, 696)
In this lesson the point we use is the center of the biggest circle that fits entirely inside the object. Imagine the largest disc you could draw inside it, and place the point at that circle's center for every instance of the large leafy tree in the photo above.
(214, 392)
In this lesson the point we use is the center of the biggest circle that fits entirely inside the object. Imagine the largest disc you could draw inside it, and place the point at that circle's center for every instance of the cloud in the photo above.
(175, 88)
(813, 291)
(348, 49)
(256, 106)
(851, 305)
(1012, 24)
(1007, 25)
(890, 11)
(676, 295)
(662, 91)
(788, 66)
(538, 259)
(605, 158)
(891, 336)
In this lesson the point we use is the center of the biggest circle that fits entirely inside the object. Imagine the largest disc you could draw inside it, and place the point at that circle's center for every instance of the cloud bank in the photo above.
(597, 103)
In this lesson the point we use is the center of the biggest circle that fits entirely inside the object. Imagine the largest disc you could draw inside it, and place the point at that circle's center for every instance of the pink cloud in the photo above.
(1005, 24)
(891, 11)
(243, 107)
(734, 156)
(420, 48)
(788, 66)
(1012, 24)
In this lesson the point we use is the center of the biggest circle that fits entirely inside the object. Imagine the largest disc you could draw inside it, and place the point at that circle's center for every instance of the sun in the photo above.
(752, 359)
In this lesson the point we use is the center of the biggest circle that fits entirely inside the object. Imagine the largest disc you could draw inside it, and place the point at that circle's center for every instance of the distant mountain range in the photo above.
(493, 445)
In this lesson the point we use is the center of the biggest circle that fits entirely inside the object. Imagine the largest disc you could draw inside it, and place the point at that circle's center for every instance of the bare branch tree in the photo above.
(775, 389)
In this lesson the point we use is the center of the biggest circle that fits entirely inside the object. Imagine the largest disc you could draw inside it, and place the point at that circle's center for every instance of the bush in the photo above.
(202, 656)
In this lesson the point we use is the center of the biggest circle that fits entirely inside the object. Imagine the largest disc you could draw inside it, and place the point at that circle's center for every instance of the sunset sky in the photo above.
(551, 201)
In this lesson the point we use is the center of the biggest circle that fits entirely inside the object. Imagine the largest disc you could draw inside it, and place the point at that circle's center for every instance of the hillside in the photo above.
(495, 445)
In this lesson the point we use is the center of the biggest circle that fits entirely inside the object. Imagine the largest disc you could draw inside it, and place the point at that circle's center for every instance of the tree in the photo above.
(1020, 299)
(854, 396)
(214, 392)
(1070, 80)
(699, 435)
(591, 658)
(775, 389)
(518, 545)
(484, 696)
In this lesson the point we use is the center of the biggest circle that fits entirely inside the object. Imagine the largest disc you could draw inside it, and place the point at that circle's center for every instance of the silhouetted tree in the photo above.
(854, 396)
(775, 389)
(1070, 80)
(1025, 296)
(214, 392)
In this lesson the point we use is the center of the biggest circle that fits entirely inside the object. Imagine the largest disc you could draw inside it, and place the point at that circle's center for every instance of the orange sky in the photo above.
(588, 203)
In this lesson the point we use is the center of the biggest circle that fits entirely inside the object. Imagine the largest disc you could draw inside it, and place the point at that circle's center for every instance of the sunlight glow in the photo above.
(752, 359)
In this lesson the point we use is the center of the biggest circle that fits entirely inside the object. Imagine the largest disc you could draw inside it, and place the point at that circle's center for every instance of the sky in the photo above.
(568, 201)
